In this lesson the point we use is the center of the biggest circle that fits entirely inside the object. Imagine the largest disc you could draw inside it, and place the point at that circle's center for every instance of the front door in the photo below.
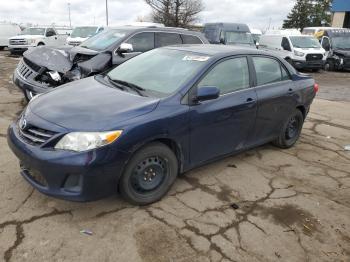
(222, 125)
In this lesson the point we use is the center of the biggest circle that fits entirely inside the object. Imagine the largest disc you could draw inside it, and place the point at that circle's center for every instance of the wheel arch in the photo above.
(302, 109)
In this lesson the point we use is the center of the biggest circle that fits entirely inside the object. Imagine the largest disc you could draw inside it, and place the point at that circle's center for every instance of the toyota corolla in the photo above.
(134, 129)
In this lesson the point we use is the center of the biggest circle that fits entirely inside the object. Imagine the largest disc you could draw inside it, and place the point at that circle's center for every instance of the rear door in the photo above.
(222, 125)
(275, 91)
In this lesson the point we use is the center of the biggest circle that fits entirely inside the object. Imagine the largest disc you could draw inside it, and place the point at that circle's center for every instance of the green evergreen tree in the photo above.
(309, 13)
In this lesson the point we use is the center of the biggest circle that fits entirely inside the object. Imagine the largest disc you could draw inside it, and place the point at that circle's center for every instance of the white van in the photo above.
(302, 51)
(82, 33)
(7, 31)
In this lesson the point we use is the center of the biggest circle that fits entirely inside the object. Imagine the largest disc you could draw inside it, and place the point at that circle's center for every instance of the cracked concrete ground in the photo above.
(265, 204)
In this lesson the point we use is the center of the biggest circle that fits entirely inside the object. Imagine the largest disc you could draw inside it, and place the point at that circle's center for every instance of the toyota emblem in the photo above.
(22, 123)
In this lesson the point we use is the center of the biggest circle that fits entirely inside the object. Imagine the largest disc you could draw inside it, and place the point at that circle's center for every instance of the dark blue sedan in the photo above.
(134, 129)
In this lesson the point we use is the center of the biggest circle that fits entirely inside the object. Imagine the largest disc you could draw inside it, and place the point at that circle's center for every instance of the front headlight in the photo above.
(31, 41)
(297, 53)
(83, 141)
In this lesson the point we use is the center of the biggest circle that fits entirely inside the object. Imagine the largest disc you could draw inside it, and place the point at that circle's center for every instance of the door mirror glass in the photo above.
(125, 48)
(205, 93)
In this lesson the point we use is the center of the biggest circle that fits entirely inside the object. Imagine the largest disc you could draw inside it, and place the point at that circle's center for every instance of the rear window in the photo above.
(165, 39)
(190, 39)
(268, 70)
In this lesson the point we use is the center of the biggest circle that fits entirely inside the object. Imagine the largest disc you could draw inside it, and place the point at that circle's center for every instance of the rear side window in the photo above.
(190, 39)
(165, 39)
(229, 76)
(142, 42)
(269, 71)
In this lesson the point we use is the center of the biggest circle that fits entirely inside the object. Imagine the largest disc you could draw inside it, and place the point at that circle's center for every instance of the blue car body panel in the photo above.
(198, 133)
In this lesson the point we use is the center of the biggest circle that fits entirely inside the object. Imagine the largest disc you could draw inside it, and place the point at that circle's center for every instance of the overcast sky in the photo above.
(256, 13)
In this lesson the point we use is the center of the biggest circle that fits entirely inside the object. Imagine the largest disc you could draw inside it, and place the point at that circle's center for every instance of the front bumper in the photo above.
(19, 48)
(303, 64)
(68, 175)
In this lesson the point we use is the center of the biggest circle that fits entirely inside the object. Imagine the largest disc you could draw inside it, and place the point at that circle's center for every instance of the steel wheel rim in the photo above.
(149, 174)
(292, 128)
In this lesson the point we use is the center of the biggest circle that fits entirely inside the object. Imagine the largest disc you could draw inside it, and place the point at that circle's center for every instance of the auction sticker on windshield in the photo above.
(196, 58)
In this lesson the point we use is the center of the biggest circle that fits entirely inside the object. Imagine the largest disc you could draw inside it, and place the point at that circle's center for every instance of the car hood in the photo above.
(88, 105)
(56, 58)
(342, 52)
(26, 37)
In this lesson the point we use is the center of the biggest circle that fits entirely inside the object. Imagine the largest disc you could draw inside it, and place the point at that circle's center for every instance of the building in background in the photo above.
(341, 13)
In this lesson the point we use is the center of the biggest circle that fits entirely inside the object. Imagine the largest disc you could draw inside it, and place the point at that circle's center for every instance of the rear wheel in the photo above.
(291, 130)
(149, 174)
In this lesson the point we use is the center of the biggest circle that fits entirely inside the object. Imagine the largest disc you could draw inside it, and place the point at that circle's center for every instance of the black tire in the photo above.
(154, 162)
(316, 70)
(329, 66)
(291, 130)
(2, 48)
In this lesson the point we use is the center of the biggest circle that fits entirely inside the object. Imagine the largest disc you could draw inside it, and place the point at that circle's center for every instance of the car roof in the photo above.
(154, 28)
(216, 50)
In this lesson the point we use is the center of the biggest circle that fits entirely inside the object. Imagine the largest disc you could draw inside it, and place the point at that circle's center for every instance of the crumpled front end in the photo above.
(43, 68)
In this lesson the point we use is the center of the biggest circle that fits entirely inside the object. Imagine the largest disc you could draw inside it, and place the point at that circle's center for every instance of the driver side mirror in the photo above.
(257, 44)
(125, 48)
(205, 93)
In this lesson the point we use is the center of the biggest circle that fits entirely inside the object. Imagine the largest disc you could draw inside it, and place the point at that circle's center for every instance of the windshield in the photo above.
(304, 42)
(148, 71)
(104, 40)
(211, 33)
(84, 32)
(341, 42)
(33, 31)
(239, 38)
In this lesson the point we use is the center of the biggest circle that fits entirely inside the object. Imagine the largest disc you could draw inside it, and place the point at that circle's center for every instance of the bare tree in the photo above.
(177, 13)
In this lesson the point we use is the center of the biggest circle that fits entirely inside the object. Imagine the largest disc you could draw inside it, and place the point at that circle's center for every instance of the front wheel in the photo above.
(149, 174)
(291, 130)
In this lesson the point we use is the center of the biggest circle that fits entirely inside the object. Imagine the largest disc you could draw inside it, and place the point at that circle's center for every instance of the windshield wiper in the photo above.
(114, 83)
(132, 86)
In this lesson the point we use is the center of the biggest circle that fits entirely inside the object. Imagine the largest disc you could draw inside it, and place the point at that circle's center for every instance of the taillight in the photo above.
(316, 87)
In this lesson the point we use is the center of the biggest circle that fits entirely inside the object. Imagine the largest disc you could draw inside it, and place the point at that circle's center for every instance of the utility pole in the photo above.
(70, 22)
(107, 12)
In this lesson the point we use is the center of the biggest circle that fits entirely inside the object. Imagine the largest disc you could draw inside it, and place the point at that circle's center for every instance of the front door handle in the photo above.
(290, 90)
(250, 100)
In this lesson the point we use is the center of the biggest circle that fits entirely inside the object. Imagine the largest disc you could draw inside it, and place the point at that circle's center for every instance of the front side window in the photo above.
(165, 39)
(268, 70)
(142, 42)
(229, 76)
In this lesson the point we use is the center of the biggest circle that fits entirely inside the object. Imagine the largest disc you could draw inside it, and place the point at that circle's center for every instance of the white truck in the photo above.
(301, 51)
(36, 36)
(6, 31)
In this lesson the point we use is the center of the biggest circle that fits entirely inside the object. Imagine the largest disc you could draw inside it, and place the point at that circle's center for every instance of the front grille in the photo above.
(18, 42)
(314, 57)
(24, 70)
(32, 65)
(35, 136)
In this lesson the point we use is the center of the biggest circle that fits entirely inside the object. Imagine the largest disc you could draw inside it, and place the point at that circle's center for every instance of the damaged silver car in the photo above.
(44, 68)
